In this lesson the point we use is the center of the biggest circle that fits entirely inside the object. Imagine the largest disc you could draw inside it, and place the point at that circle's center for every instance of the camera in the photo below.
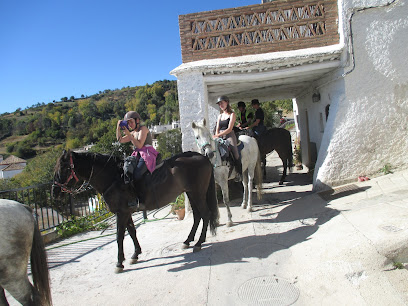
(124, 123)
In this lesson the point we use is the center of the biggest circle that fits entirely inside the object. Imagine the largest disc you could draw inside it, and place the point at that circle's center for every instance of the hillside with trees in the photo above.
(75, 122)
(40, 132)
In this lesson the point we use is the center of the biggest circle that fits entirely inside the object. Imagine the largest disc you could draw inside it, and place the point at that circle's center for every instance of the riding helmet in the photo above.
(241, 104)
(222, 98)
(132, 114)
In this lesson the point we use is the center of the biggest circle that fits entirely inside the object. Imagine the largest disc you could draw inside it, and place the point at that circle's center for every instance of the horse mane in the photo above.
(105, 159)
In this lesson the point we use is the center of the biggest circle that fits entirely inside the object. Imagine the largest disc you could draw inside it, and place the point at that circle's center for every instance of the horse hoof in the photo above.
(229, 223)
(249, 209)
(134, 261)
(243, 206)
(118, 270)
(196, 249)
(184, 246)
(280, 182)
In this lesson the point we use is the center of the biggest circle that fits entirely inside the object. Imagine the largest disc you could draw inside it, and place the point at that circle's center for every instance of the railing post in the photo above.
(71, 205)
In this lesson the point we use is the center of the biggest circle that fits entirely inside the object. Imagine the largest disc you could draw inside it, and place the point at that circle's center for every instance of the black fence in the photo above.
(50, 212)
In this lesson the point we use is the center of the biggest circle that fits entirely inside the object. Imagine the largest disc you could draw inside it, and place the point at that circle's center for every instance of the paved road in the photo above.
(297, 247)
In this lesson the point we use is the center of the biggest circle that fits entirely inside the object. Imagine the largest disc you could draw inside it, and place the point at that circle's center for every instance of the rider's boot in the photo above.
(137, 200)
(238, 170)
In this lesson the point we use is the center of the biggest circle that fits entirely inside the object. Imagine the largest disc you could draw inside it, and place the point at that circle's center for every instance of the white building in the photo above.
(155, 130)
(11, 166)
(345, 68)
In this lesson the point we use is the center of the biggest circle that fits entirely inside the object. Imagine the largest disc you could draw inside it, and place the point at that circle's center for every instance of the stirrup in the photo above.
(238, 178)
(134, 203)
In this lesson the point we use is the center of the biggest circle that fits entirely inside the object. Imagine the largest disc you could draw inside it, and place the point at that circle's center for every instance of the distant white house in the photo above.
(158, 129)
(11, 166)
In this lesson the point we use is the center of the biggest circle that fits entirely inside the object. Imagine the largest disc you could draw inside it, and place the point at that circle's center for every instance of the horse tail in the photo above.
(258, 177)
(212, 204)
(39, 268)
(290, 152)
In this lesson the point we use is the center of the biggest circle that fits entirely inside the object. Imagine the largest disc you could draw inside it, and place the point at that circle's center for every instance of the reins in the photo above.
(85, 184)
(207, 144)
(64, 187)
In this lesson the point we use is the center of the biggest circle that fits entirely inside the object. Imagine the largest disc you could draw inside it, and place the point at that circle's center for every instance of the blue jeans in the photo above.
(140, 169)
(259, 129)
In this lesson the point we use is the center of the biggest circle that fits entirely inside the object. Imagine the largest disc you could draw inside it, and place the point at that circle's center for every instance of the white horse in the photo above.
(20, 239)
(251, 166)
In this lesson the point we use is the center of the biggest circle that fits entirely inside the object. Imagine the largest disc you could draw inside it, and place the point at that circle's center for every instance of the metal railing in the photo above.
(50, 212)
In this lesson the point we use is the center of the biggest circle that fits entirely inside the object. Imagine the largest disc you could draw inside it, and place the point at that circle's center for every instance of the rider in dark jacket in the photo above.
(258, 125)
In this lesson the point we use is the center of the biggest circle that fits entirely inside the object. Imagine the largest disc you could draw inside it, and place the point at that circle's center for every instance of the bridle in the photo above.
(64, 187)
(203, 147)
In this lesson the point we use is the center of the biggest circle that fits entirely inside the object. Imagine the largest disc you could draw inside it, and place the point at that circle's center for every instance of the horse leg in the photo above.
(225, 198)
(121, 222)
(264, 165)
(20, 289)
(3, 300)
(250, 182)
(206, 220)
(197, 218)
(132, 232)
(285, 165)
(245, 194)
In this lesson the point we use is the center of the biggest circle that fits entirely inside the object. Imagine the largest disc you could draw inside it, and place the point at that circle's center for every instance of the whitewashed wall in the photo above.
(193, 105)
(9, 174)
(367, 126)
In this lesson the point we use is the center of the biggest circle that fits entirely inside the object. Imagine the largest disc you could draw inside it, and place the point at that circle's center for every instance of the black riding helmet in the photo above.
(241, 104)
(222, 98)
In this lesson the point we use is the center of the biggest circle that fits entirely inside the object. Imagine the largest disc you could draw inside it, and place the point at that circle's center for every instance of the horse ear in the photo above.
(204, 122)
(193, 125)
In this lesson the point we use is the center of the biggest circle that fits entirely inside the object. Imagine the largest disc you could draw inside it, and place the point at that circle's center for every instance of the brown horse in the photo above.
(187, 172)
(279, 140)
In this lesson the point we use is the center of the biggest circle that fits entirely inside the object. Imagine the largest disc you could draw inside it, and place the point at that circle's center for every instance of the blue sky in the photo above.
(61, 48)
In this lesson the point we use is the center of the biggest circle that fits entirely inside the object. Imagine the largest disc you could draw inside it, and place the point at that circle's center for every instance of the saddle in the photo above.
(130, 164)
(227, 156)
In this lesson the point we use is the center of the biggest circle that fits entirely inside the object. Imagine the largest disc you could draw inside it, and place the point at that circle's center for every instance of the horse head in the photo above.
(65, 177)
(203, 137)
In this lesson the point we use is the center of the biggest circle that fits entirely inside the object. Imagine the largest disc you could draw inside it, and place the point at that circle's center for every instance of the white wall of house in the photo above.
(367, 126)
(10, 173)
(192, 93)
(364, 79)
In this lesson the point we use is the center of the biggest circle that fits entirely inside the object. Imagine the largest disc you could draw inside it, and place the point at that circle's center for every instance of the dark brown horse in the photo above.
(187, 172)
(279, 140)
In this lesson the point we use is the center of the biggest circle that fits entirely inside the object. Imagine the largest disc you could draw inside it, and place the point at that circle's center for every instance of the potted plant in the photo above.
(178, 207)
(297, 155)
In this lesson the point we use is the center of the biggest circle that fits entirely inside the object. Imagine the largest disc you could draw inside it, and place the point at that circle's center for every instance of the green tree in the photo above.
(73, 143)
(40, 169)
(169, 143)
(107, 144)
(286, 105)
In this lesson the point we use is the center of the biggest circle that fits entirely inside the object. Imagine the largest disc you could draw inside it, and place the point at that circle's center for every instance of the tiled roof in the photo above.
(14, 167)
(12, 160)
